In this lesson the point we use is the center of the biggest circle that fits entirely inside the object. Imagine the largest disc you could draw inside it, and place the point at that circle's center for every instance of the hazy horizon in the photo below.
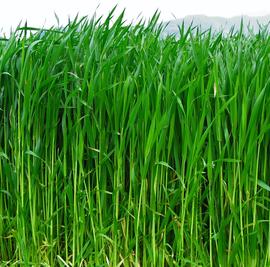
(41, 14)
(205, 21)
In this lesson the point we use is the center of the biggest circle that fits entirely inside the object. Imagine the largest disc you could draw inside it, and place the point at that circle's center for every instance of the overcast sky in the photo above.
(41, 13)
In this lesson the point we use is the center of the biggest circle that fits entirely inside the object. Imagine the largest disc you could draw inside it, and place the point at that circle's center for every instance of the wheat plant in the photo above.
(122, 148)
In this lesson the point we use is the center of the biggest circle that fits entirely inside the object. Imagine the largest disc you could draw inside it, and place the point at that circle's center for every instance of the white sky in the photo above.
(41, 12)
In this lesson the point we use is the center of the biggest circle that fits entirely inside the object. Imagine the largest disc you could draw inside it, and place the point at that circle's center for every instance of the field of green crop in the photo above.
(122, 148)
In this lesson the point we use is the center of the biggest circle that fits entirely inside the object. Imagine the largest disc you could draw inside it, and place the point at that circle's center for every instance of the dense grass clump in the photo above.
(122, 148)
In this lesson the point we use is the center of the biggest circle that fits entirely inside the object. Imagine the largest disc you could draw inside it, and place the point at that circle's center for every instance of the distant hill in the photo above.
(219, 23)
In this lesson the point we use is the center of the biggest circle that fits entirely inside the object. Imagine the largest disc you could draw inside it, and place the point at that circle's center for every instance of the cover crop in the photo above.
(122, 148)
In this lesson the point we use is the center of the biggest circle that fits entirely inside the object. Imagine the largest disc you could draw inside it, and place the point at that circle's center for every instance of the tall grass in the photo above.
(121, 148)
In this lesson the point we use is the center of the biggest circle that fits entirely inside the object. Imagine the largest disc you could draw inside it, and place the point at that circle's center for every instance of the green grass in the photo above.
(122, 148)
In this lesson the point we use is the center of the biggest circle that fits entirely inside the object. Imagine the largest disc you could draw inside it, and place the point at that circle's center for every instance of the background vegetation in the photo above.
(121, 148)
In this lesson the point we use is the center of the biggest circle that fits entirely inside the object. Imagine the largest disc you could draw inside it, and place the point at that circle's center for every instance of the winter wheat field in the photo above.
(122, 148)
